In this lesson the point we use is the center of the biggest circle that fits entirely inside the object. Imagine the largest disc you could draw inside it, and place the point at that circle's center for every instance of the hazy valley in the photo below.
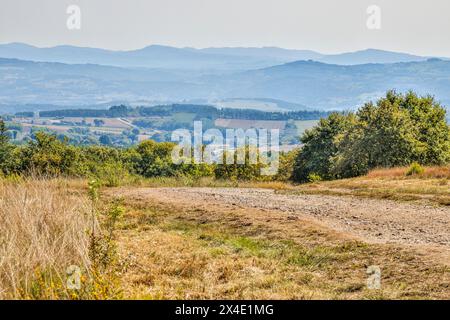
(71, 77)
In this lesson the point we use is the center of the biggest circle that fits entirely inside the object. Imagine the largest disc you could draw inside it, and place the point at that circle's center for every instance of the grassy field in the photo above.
(116, 126)
(184, 117)
(195, 251)
(303, 125)
(171, 250)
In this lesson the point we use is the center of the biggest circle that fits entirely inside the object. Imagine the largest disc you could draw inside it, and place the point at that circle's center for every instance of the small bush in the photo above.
(314, 177)
(112, 174)
(415, 169)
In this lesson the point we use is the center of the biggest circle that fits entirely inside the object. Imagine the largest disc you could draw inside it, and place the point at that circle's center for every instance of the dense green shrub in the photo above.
(314, 177)
(414, 169)
(46, 155)
(52, 155)
(319, 147)
(396, 131)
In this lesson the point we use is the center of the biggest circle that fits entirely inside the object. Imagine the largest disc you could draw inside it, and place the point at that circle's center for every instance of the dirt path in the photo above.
(423, 227)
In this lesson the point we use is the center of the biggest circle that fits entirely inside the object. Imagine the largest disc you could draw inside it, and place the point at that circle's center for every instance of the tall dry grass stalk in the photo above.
(44, 228)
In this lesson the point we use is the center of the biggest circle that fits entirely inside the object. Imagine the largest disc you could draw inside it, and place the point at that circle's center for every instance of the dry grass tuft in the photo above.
(429, 172)
(387, 173)
(203, 182)
(44, 229)
(432, 185)
(437, 172)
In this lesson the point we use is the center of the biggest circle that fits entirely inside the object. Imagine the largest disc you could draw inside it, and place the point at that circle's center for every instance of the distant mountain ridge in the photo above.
(208, 59)
(312, 84)
(330, 86)
(370, 56)
(154, 56)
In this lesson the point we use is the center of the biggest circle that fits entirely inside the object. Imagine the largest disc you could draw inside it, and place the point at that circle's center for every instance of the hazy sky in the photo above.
(329, 26)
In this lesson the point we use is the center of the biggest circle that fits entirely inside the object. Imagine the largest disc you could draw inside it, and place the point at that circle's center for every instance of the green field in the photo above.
(303, 125)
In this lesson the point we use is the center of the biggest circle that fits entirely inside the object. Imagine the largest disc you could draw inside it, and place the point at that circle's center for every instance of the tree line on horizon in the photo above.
(201, 112)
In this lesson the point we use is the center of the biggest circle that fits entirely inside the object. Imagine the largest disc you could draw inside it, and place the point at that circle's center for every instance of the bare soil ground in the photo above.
(260, 243)
(371, 220)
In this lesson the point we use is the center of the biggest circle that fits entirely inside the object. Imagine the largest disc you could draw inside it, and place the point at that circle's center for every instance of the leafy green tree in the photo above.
(118, 111)
(383, 136)
(286, 165)
(154, 159)
(5, 149)
(4, 137)
(46, 155)
(395, 131)
(319, 147)
(241, 171)
(431, 129)
(98, 122)
(105, 140)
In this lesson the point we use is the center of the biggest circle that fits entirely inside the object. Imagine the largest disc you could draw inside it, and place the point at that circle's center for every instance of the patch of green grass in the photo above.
(184, 117)
(287, 252)
(314, 258)
(303, 125)
(249, 245)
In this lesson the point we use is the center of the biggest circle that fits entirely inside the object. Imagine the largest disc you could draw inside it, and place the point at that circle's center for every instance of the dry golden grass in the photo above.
(43, 230)
(387, 173)
(186, 252)
(433, 185)
(442, 172)
(207, 182)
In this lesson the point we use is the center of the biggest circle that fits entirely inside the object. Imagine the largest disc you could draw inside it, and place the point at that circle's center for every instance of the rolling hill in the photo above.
(327, 86)
(303, 83)
(218, 59)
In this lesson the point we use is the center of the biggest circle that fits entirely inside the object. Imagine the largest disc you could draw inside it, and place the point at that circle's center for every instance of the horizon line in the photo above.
(218, 47)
